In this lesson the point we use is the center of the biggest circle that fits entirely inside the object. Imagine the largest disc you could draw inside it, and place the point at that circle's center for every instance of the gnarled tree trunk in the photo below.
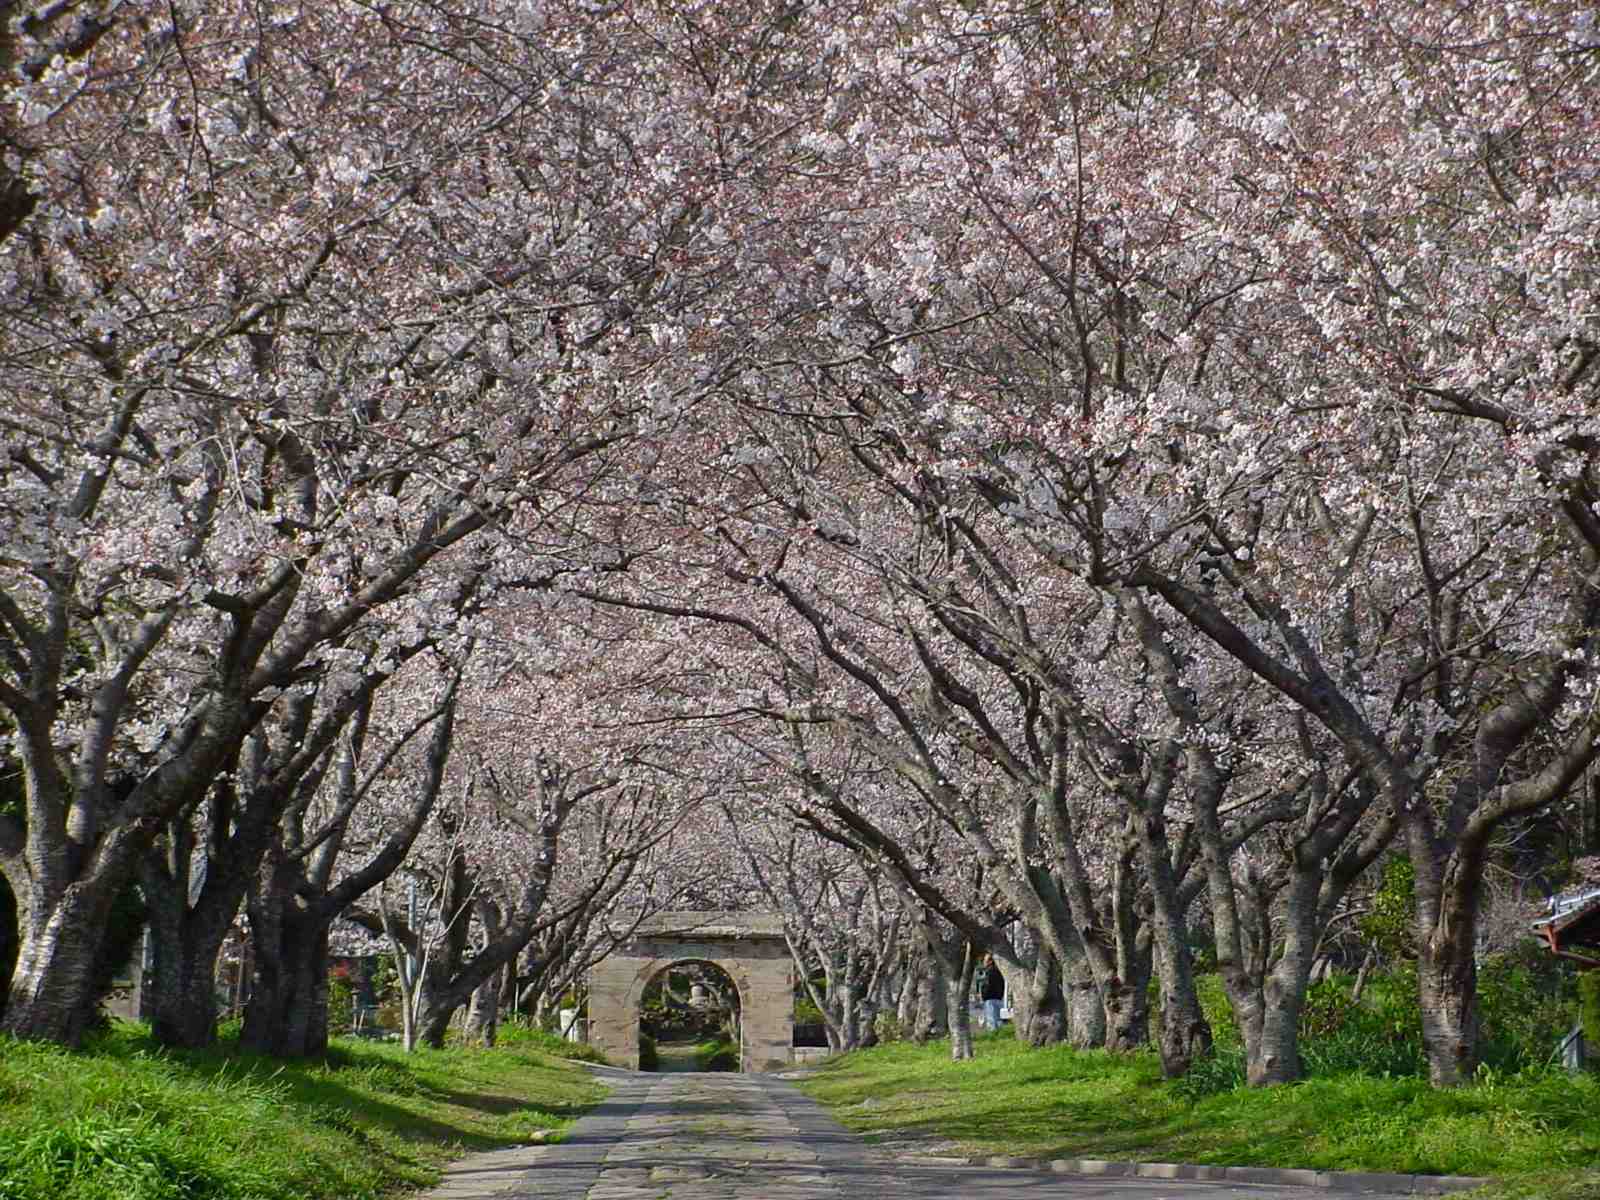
(52, 993)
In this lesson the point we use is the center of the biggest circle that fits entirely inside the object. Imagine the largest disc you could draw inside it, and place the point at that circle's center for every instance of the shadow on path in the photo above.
(722, 1136)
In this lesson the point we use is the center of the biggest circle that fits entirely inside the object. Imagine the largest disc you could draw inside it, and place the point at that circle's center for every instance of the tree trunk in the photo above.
(958, 1003)
(434, 1010)
(1085, 1015)
(1126, 988)
(1275, 1056)
(180, 986)
(842, 1017)
(1127, 1008)
(933, 1011)
(507, 996)
(287, 1014)
(52, 993)
(483, 1014)
(1044, 1020)
(1185, 1033)
(1447, 979)
(185, 943)
(905, 1005)
(8, 939)
(1448, 881)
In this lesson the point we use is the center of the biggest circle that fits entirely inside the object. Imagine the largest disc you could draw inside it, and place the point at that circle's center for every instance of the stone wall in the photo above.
(749, 947)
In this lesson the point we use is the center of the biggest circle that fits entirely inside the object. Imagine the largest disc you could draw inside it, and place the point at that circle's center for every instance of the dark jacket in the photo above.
(991, 983)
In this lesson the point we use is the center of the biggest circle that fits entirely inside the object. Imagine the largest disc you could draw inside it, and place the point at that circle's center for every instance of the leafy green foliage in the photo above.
(124, 1118)
(1223, 1071)
(649, 1058)
(1380, 1035)
(1394, 905)
(806, 1012)
(1526, 1004)
(341, 1001)
(718, 1054)
(1527, 1000)
(886, 1025)
(1589, 1007)
(522, 1034)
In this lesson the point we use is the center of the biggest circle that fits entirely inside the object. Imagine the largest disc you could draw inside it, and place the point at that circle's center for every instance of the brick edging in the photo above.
(1349, 1182)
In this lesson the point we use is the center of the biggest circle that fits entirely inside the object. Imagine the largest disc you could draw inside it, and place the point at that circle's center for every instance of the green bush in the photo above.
(1527, 1003)
(341, 1001)
(1218, 1011)
(1389, 923)
(523, 1033)
(649, 1060)
(887, 1026)
(719, 1054)
(1222, 1071)
(1380, 1035)
(806, 1012)
(1589, 1010)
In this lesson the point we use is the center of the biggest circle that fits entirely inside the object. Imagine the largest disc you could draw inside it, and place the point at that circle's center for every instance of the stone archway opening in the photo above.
(749, 948)
(689, 1019)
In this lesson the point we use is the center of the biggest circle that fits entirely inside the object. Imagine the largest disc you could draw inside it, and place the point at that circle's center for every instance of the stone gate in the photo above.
(748, 946)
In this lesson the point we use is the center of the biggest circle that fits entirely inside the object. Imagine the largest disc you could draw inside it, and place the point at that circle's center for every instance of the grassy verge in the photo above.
(125, 1119)
(1536, 1132)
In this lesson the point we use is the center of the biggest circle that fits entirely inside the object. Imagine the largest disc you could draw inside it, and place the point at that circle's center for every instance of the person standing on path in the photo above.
(991, 990)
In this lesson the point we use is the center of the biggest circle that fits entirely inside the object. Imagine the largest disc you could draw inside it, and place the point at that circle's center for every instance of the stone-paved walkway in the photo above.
(755, 1137)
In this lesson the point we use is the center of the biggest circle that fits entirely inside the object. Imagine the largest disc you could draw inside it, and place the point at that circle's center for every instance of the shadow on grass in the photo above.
(361, 1090)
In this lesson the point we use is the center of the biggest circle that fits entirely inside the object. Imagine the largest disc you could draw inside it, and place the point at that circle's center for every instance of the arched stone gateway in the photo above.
(748, 946)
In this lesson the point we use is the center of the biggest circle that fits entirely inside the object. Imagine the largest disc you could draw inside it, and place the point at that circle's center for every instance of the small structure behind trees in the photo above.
(1574, 920)
(749, 947)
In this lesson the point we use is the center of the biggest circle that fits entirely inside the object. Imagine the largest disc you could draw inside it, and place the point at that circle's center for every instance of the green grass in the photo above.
(1536, 1132)
(123, 1118)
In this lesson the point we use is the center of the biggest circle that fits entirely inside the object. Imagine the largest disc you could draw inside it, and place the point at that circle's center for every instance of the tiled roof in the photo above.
(1571, 909)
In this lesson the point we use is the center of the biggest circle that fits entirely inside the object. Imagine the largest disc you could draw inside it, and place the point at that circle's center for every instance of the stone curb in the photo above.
(1345, 1182)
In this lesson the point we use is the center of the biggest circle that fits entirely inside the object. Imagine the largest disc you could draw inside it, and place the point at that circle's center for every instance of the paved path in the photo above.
(755, 1137)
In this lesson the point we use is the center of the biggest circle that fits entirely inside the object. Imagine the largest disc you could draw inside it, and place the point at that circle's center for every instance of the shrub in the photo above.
(341, 1000)
(1389, 923)
(1527, 1003)
(522, 1033)
(806, 1012)
(1218, 1011)
(1221, 1071)
(719, 1054)
(649, 1060)
(1380, 1035)
(1589, 1010)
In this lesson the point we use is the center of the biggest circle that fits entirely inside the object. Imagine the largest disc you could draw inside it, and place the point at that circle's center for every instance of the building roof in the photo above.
(1573, 919)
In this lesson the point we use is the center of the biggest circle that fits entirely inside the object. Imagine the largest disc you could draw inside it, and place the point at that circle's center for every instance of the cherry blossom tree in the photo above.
(282, 339)
(1162, 443)
(842, 922)
(200, 868)
(304, 881)
(1197, 327)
